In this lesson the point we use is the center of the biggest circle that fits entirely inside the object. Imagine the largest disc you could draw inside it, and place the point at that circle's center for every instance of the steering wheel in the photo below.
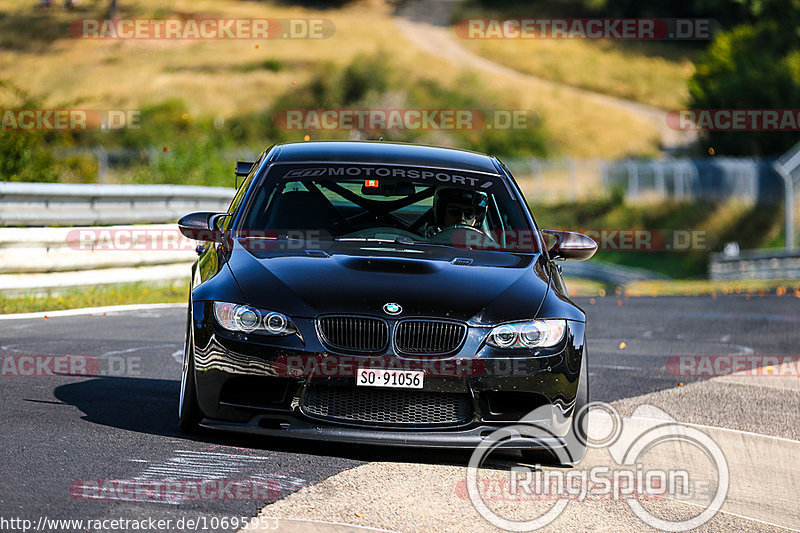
(446, 235)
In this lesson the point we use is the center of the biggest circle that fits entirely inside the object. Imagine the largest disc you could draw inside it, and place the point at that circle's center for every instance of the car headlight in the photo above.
(533, 334)
(237, 317)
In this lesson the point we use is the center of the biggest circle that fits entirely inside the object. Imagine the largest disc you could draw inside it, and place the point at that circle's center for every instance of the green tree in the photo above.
(22, 156)
(752, 66)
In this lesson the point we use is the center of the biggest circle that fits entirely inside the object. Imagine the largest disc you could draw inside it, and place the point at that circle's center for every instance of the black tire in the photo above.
(189, 413)
(576, 439)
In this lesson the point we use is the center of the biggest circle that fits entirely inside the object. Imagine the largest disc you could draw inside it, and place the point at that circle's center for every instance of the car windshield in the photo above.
(401, 204)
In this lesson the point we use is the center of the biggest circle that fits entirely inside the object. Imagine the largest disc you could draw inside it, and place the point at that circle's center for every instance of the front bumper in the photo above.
(293, 427)
(255, 385)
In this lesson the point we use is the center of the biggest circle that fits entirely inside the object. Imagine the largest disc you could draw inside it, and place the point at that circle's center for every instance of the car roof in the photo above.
(383, 152)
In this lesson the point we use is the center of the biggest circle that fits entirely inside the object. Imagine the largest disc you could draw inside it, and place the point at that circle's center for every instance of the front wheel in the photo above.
(189, 413)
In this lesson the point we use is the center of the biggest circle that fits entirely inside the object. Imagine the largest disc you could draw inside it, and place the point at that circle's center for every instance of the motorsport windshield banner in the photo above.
(430, 175)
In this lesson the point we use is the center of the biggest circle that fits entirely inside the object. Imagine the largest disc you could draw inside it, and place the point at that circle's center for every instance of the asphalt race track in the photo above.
(60, 433)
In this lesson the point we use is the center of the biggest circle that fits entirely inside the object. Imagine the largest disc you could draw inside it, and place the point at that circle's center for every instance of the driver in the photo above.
(454, 207)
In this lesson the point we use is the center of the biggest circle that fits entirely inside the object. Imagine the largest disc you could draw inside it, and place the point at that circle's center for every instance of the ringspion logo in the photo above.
(634, 475)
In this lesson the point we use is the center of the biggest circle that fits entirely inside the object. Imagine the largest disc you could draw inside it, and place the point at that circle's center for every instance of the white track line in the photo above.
(325, 522)
(616, 367)
(90, 311)
(745, 517)
(719, 428)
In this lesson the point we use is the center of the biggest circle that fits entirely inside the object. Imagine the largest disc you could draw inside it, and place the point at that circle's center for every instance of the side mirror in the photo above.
(201, 226)
(242, 169)
(571, 245)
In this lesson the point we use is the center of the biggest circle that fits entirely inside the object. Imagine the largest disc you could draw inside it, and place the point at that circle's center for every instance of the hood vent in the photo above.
(462, 261)
(318, 253)
(388, 265)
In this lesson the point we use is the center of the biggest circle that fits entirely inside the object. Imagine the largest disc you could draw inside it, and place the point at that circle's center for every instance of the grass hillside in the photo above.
(752, 226)
(628, 71)
(202, 99)
(650, 72)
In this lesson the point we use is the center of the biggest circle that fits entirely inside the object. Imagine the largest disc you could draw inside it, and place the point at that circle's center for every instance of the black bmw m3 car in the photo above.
(380, 293)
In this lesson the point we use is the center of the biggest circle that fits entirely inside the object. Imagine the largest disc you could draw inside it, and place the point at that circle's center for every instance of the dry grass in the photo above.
(80, 297)
(603, 66)
(746, 287)
(222, 79)
(580, 287)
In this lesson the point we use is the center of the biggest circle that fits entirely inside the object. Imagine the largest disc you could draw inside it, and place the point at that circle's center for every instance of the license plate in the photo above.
(402, 379)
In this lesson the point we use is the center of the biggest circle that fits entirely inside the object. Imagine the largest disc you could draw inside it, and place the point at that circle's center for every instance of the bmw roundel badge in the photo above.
(392, 308)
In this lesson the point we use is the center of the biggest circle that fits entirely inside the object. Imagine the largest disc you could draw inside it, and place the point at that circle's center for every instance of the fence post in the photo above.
(658, 171)
(788, 193)
(102, 164)
(633, 179)
(536, 175)
(604, 174)
(573, 179)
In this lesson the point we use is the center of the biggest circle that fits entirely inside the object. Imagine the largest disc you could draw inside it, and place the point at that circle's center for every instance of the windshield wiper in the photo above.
(362, 239)
(405, 241)
(397, 240)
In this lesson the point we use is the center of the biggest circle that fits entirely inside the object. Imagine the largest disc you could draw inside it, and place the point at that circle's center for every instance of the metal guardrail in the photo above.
(46, 259)
(50, 258)
(608, 273)
(755, 264)
(29, 250)
(56, 204)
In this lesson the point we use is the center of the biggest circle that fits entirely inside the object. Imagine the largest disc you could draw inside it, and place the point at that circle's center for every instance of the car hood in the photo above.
(361, 278)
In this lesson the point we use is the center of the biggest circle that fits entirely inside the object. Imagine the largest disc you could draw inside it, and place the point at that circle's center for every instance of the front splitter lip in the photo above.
(290, 427)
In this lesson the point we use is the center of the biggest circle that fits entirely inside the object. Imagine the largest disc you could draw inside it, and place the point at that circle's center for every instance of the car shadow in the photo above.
(135, 404)
(150, 406)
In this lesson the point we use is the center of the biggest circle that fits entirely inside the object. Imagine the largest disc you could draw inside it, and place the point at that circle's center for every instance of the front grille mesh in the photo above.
(429, 337)
(387, 407)
(354, 333)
